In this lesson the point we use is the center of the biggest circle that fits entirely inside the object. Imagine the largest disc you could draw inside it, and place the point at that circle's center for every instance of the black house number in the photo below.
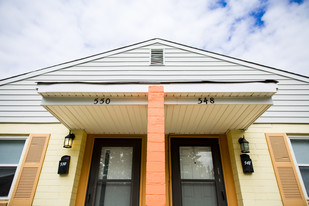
(206, 101)
(101, 101)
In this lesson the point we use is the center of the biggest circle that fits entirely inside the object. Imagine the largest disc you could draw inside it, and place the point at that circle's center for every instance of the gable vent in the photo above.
(156, 57)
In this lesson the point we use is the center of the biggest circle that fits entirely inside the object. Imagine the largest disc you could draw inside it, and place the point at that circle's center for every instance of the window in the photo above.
(11, 148)
(300, 146)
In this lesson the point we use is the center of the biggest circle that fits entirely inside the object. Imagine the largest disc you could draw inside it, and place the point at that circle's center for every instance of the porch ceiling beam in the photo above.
(107, 101)
(218, 101)
(95, 101)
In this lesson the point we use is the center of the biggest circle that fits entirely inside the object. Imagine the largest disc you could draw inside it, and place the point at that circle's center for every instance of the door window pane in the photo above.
(10, 151)
(115, 173)
(196, 162)
(301, 148)
(113, 194)
(199, 193)
(116, 163)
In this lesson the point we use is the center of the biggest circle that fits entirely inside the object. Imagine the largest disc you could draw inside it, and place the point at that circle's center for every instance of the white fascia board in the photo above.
(92, 88)
(221, 87)
(168, 88)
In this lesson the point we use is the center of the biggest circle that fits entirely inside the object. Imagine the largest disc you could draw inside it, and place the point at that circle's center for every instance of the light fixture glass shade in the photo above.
(244, 145)
(68, 140)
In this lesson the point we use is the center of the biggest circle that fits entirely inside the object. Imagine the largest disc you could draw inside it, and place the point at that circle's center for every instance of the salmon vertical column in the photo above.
(155, 166)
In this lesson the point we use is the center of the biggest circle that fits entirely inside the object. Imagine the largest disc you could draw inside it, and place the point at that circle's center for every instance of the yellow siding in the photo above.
(260, 187)
(52, 188)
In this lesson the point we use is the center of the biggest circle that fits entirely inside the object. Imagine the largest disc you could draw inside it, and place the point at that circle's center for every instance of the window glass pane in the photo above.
(113, 193)
(305, 175)
(199, 194)
(116, 163)
(6, 178)
(10, 151)
(196, 163)
(301, 148)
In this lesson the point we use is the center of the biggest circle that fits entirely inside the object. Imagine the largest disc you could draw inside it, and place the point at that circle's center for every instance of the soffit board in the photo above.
(233, 106)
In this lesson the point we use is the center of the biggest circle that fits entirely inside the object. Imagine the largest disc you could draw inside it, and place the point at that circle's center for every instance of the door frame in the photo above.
(226, 164)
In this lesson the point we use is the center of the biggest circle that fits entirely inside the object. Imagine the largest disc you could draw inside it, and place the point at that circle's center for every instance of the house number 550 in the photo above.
(101, 101)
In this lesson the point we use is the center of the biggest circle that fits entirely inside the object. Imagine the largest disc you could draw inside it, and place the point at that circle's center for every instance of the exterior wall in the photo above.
(260, 187)
(53, 189)
(20, 102)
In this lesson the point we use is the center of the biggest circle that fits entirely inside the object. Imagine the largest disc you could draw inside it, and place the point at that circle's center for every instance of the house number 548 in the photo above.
(205, 100)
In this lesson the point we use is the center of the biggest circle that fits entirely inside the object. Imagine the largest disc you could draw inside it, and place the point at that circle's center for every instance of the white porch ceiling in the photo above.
(235, 107)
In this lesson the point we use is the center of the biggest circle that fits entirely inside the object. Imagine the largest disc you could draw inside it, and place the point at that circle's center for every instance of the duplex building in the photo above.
(155, 123)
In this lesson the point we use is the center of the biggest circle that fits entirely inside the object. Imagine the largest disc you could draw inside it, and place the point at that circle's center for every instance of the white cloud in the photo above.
(36, 34)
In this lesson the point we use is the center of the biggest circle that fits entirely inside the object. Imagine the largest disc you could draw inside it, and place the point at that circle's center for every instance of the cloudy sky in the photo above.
(35, 34)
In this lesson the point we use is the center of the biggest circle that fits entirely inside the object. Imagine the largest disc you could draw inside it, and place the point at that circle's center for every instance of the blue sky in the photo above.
(35, 34)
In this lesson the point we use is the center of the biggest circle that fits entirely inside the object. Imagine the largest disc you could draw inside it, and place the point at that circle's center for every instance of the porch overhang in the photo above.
(190, 107)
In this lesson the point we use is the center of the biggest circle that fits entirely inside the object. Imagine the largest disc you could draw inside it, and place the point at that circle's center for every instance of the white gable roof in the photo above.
(158, 42)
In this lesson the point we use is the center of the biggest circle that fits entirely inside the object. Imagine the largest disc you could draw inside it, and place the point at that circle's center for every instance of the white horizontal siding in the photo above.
(27, 114)
(154, 77)
(104, 67)
(18, 86)
(295, 97)
(18, 91)
(293, 91)
(284, 108)
(19, 101)
(20, 97)
(24, 108)
(192, 72)
(28, 119)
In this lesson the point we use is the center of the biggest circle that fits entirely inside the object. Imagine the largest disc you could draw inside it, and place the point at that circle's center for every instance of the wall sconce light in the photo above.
(68, 140)
(244, 145)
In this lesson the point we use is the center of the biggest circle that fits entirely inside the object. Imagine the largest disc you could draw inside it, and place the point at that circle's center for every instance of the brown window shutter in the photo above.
(289, 186)
(30, 170)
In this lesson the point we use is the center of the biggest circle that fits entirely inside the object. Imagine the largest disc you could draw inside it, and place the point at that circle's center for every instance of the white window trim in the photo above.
(14, 137)
(298, 137)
